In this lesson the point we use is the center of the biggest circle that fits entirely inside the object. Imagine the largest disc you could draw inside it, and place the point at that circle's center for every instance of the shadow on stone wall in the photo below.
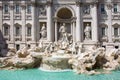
(3, 45)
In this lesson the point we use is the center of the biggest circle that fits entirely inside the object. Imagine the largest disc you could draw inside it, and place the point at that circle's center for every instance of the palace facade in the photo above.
(21, 21)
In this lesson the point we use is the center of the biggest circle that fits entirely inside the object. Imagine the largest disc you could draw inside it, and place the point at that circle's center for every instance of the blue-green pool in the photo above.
(36, 74)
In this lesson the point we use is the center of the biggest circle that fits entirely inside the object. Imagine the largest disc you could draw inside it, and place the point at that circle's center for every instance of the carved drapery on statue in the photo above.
(63, 33)
(43, 32)
(87, 32)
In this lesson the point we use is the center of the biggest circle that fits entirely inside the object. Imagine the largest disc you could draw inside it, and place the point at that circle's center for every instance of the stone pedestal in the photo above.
(44, 43)
(11, 44)
(109, 46)
(22, 45)
(89, 44)
(33, 44)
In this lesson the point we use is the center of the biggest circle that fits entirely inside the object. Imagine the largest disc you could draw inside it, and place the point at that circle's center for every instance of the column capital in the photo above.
(35, 4)
(78, 3)
(94, 4)
(11, 6)
(23, 6)
(109, 6)
(49, 3)
(74, 19)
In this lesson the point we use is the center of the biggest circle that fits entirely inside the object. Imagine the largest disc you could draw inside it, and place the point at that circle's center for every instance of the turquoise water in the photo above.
(36, 74)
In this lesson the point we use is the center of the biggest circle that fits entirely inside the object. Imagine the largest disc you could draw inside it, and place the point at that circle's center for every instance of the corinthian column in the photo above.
(94, 23)
(23, 6)
(1, 16)
(23, 22)
(78, 22)
(33, 20)
(50, 29)
(12, 22)
(1, 21)
(109, 7)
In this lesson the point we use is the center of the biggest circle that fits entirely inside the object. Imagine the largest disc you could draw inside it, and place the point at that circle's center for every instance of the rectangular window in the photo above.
(115, 8)
(28, 31)
(102, 8)
(17, 9)
(17, 31)
(103, 31)
(5, 8)
(115, 31)
(28, 9)
(6, 30)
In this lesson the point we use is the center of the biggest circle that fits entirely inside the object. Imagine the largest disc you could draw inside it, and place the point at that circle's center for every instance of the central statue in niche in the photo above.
(63, 33)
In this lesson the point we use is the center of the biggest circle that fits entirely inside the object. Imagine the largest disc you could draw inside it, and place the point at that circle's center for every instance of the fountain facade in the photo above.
(64, 54)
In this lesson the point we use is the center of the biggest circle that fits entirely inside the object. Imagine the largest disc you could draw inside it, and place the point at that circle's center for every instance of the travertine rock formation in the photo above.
(58, 56)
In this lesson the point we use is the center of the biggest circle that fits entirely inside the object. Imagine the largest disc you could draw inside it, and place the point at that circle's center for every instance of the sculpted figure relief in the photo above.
(87, 32)
(43, 32)
(87, 9)
(42, 11)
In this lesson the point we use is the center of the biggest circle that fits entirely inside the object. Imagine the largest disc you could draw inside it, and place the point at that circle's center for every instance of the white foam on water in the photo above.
(64, 70)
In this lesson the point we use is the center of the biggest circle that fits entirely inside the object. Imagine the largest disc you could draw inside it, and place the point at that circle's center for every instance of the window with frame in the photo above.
(115, 8)
(28, 31)
(103, 31)
(18, 31)
(6, 8)
(17, 8)
(28, 9)
(116, 31)
(103, 8)
(6, 30)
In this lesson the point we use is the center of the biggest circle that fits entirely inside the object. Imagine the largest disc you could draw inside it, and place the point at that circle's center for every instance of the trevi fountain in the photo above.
(62, 60)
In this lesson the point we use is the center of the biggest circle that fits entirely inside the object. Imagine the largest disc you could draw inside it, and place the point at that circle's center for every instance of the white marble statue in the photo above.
(87, 32)
(63, 33)
(43, 32)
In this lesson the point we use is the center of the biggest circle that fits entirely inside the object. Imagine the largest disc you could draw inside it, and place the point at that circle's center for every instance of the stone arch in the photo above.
(65, 7)
(6, 29)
